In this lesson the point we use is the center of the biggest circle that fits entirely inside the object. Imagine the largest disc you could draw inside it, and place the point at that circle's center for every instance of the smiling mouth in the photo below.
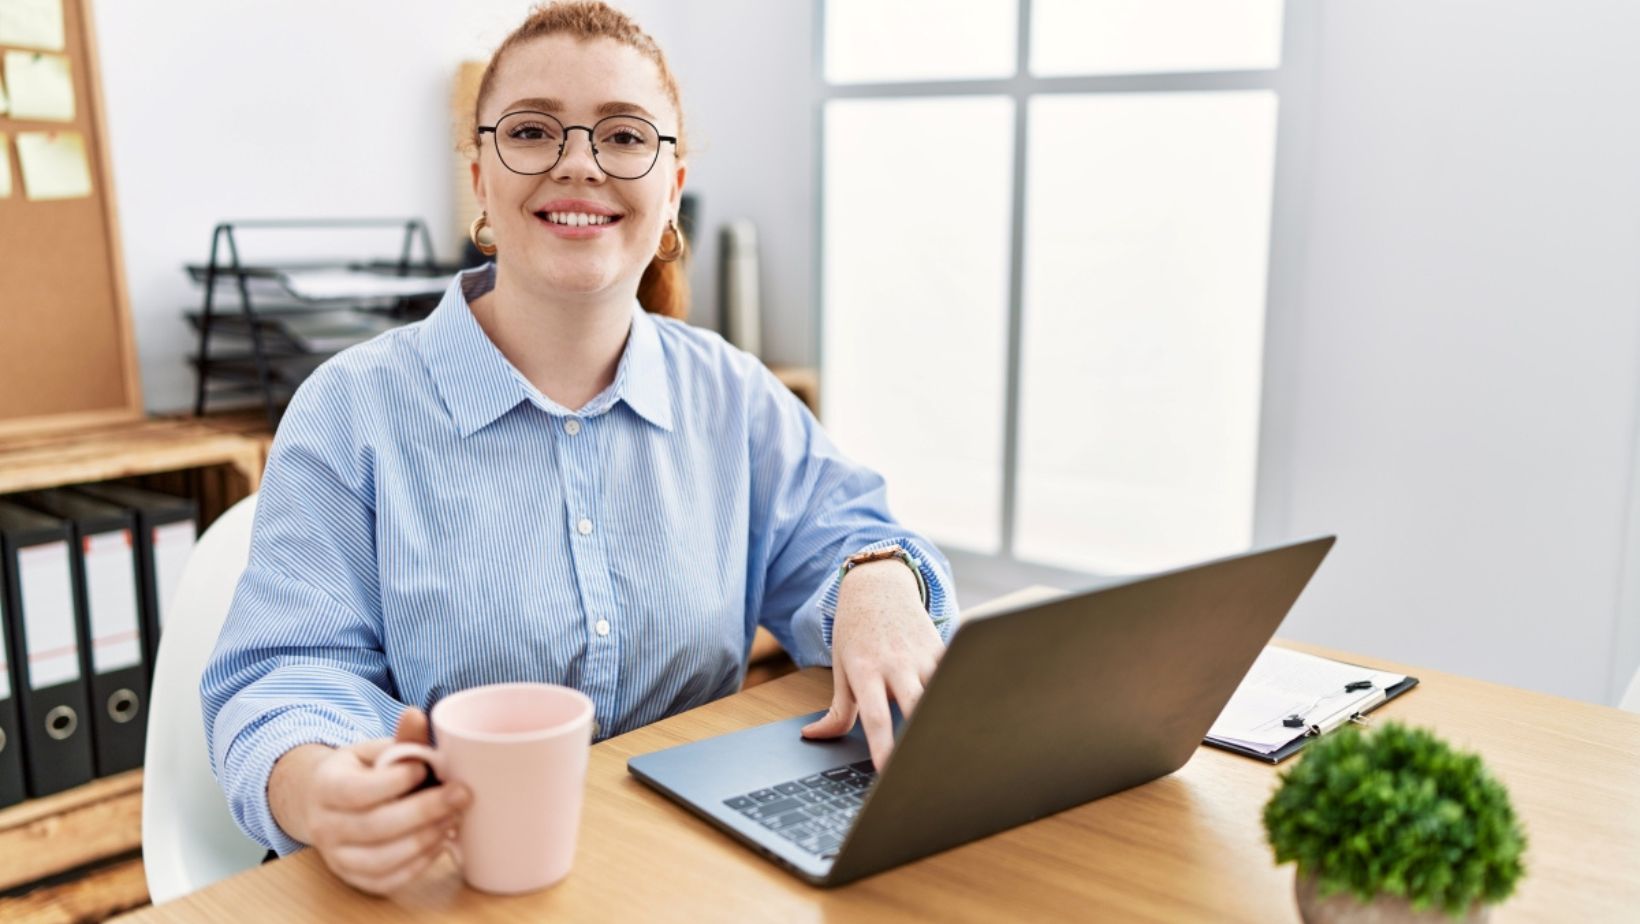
(577, 219)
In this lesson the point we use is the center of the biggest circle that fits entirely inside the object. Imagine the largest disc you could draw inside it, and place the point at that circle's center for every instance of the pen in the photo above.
(1348, 715)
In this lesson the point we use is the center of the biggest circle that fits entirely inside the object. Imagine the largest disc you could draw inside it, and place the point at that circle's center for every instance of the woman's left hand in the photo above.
(883, 646)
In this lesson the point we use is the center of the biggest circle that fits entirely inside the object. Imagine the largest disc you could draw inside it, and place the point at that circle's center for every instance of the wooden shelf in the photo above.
(122, 450)
(53, 834)
(250, 423)
(96, 896)
(72, 856)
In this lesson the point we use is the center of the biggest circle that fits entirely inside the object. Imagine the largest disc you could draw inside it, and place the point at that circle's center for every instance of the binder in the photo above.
(11, 735)
(107, 594)
(50, 686)
(166, 531)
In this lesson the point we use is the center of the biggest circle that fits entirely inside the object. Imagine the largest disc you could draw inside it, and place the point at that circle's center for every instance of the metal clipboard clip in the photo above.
(1356, 714)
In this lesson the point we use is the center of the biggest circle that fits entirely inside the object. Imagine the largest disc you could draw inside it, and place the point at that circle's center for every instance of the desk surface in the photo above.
(1187, 847)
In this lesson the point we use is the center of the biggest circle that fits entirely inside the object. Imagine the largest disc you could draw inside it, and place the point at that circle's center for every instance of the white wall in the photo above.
(746, 73)
(1461, 403)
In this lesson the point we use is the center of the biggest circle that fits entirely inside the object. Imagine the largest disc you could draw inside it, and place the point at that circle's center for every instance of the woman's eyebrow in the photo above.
(619, 108)
(551, 104)
(536, 104)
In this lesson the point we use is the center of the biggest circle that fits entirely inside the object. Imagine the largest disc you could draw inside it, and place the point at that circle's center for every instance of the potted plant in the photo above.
(1394, 826)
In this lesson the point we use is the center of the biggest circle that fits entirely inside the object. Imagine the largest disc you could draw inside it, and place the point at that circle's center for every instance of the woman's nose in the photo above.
(578, 160)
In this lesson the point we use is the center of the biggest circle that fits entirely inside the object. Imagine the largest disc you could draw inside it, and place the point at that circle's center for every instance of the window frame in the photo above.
(1291, 81)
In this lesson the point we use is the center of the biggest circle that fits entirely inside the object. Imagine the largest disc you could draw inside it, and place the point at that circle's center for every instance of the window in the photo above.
(1045, 230)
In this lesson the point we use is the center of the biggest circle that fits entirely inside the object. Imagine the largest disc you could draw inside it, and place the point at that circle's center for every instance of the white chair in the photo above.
(189, 839)
(1631, 699)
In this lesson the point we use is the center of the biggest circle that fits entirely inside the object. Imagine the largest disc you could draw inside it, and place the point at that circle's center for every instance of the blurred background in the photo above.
(1101, 286)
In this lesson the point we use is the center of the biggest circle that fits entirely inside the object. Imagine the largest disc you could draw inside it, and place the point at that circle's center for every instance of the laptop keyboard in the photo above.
(814, 812)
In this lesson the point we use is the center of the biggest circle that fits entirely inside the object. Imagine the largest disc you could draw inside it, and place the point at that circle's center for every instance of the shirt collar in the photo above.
(642, 379)
(478, 384)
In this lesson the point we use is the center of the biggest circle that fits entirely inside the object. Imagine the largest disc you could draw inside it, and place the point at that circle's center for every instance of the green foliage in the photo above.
(1397, 812)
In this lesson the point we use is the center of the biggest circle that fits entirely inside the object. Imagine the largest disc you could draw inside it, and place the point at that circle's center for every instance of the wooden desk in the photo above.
(1187, 847)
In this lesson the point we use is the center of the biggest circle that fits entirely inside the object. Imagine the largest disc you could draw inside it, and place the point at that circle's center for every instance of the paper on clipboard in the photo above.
(32, 23)
(1283, 682)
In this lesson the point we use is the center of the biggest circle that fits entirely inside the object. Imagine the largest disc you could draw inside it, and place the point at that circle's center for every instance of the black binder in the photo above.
(51, 687)
(166, 529)
(107, 598)
(11, 735)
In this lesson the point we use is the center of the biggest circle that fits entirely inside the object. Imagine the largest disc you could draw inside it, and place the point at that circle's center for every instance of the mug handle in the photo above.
(410, 750)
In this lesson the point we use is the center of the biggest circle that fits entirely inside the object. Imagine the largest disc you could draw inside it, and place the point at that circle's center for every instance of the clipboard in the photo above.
(1297, 744)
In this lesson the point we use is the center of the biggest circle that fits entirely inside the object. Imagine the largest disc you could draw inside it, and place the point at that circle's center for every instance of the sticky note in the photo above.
(5, 167)
(54, 165)
(40, 86)
(32, 23)
(2, 98)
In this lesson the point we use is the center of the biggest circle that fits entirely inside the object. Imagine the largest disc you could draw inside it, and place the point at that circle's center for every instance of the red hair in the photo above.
(664, 288)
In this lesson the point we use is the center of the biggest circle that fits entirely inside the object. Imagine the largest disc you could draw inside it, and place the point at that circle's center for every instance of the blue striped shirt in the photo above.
(430, 521)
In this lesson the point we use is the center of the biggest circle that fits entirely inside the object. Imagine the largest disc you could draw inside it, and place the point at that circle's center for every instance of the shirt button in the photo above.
(572, 426)
(602, 628)
(584, 527)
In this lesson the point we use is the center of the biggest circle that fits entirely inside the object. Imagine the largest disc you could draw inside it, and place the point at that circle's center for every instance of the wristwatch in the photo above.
(884, 554)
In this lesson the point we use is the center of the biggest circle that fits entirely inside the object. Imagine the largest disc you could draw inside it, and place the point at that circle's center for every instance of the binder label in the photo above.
(111, 594)
(48, 614)
(173, 542)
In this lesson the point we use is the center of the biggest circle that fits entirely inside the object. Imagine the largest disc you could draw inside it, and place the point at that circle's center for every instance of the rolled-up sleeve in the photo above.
(300, 658)
(813, 508)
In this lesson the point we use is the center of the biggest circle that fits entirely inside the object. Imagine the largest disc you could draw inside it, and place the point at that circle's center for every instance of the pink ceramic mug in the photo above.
(521, 748)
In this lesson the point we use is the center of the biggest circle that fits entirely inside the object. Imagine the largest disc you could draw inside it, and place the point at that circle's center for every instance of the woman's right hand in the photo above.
(371, 825)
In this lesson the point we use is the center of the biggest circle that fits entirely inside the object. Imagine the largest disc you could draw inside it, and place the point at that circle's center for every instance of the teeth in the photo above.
(577, 219)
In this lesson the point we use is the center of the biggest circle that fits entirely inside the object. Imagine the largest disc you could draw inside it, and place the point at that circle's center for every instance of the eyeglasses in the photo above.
(531, 143)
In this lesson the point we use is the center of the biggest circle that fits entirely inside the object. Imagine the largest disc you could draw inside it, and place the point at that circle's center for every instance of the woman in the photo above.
(544, 481)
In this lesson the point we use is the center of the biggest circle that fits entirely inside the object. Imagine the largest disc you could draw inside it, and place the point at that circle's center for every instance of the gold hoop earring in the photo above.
(674, 250)
(482, 235)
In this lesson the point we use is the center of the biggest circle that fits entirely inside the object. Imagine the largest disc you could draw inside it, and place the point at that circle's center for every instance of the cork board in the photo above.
(66, 352)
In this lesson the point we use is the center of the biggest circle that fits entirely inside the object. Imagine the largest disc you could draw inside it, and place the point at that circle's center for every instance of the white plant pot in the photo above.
(1345, 908)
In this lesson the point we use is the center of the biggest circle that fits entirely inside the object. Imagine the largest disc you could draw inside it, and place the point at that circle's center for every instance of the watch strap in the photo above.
(884, 554)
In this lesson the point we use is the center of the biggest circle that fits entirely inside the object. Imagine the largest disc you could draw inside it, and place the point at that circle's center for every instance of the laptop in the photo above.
(1031, 711)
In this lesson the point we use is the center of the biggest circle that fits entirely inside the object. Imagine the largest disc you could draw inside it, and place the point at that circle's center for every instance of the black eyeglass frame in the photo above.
(592, 141)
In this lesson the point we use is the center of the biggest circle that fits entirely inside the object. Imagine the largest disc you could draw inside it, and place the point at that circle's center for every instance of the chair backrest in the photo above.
(1631, 699)
(189, 838)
